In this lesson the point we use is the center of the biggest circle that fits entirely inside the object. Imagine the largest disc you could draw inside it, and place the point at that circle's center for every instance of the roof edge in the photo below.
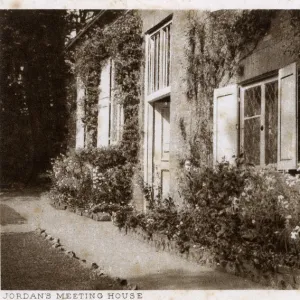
(85, 29)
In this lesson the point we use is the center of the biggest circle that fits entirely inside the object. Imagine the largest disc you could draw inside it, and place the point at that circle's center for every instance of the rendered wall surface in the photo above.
(268, 56)
(272, 52)
(179, 107)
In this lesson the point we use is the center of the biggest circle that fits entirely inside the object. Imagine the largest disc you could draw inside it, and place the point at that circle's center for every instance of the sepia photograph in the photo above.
(149, 149)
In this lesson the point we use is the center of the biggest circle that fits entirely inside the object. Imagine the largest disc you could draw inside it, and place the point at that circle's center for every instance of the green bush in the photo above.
(241, 212)
(112, 185)
(71, 180)
(238, 212)
(91, 177)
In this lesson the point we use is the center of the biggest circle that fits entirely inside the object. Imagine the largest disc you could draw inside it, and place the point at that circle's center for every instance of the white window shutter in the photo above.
(104, 106)
(287, 118)
(225, 139)
(79, 144)
(114, 134)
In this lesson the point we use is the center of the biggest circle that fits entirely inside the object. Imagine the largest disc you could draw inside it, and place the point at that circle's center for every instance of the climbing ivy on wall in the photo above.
(120, 41)
(104, 175)
(217, 43)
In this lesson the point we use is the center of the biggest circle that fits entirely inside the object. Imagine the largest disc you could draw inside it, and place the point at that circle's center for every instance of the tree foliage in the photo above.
(33, 110)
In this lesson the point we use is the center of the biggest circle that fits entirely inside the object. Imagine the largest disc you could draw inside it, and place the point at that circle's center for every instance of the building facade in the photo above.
(254, 111)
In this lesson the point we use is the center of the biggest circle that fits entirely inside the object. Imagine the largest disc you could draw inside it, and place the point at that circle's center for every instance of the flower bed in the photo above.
(87, 178)
(238, 218)
(283, 277)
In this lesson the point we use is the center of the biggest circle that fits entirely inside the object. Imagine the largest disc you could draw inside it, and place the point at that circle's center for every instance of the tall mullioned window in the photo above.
(158, 59)
(158, 106)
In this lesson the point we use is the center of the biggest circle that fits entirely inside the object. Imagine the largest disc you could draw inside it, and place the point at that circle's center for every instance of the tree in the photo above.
(76, 19)
(32, 74)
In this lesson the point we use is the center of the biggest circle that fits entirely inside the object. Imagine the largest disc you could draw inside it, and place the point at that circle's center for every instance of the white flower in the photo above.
(293, 235)
(280, 197)
(151, 221)
(297, 229)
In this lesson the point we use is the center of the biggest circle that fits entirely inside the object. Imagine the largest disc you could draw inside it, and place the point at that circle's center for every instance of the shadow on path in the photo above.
(10, 216)
(175, 279)
(24, 193)
(118, 254)
(29, 263)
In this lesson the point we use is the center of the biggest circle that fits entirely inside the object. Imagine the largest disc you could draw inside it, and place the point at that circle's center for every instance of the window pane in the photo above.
(252, 140)
(252, 102)
(168, 55)
(252, 118)
(271, 122)
(149, 66)
(156, 60)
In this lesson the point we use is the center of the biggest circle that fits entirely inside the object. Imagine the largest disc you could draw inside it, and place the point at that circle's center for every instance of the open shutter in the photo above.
(287, 118)
(80, 114)
(104, 106)
(225, 123)
(114, 109)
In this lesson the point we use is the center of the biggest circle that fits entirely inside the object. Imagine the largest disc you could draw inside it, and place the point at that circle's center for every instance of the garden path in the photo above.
(118, 254)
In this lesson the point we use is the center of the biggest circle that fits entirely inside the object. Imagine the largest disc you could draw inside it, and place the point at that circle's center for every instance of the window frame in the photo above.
(150, 98)
(242, 88)
(164, 91)
(287, 79)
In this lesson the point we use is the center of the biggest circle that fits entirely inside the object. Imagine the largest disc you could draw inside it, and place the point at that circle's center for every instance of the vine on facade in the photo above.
(121, 42)
(94, 176)
(217, 45)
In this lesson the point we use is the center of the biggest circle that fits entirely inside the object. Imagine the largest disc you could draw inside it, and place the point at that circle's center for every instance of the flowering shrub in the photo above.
(245, 212)
(71, 180)
(121, 214)
(112, 185)
(239, 212)
(91, 177)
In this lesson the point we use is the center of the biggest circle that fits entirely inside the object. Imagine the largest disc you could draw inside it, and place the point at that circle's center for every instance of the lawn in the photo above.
(30, 263)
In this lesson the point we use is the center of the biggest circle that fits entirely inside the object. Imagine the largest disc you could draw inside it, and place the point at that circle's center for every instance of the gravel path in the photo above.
(118, 254)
